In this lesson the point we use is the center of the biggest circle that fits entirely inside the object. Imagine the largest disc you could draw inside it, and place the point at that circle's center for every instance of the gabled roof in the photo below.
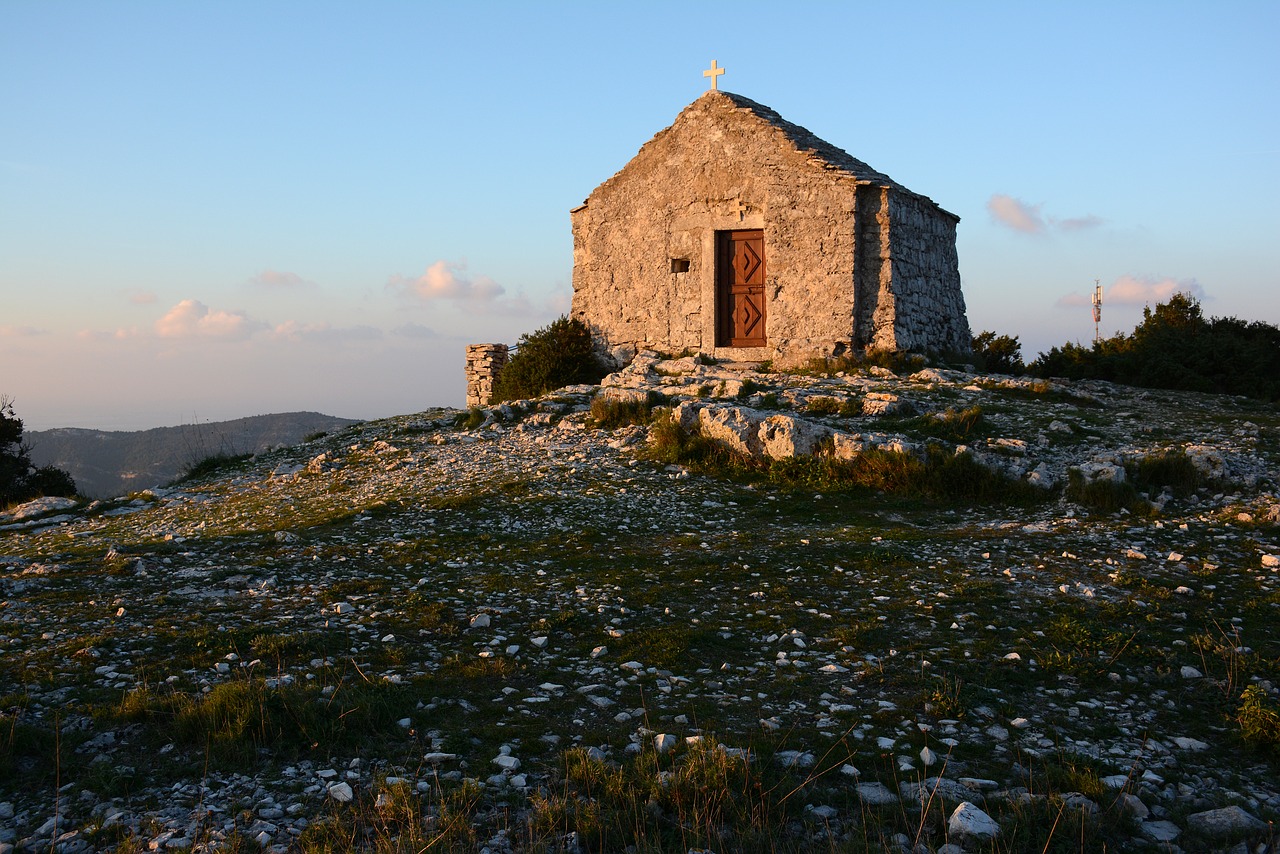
(804, 140)
(818, 151)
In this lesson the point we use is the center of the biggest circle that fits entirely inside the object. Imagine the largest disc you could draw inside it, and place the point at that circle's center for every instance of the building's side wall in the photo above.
(670, 200)
(926, 306)
(873, 271)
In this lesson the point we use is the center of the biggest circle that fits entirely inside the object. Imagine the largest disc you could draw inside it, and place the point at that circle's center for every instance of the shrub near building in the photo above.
(555, 356)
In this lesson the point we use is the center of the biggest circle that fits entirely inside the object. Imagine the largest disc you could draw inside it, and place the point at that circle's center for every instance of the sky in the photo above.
(211, 210)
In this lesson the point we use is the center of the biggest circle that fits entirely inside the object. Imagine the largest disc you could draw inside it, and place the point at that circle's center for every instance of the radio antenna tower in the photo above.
(1097, 310)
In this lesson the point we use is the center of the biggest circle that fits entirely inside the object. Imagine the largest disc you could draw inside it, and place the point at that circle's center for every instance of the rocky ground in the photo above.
(441, 619)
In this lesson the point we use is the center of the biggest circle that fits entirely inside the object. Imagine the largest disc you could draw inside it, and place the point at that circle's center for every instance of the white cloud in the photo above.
(193, 319)
(142, 297)
(415, 330)
(447, 280)
(1137, 290)
(280, 280)
(291, 330)
(21, 332)
(1016, 214)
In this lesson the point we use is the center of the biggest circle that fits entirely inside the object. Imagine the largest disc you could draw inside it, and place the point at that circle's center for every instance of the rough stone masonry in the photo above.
(484, 363)
(850, 258)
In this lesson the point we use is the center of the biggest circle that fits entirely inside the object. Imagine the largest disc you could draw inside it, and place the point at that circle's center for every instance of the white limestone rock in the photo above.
(876, 794)
(40, 507)
(1227, 821)
(935, 788)
(506, 762)
(969, 821)
(784, 436)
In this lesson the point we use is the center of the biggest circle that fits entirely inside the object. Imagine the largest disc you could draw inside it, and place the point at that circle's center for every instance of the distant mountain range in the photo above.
(110, 463)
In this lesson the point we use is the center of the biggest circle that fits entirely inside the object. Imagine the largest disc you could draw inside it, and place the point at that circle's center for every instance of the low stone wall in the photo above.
(484, 363)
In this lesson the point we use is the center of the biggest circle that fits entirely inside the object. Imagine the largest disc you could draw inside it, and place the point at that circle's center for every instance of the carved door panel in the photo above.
(740, 289)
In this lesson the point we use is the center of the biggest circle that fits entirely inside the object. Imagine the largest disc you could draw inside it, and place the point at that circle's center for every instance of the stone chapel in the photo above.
(738, 234)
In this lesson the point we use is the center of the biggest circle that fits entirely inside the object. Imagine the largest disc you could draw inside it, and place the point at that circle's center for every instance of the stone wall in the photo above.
(929, 310)
(836, 275)
(484, 363)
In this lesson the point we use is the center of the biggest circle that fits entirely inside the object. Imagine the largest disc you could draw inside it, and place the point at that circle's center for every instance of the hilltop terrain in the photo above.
(518, 629)
(112, 462)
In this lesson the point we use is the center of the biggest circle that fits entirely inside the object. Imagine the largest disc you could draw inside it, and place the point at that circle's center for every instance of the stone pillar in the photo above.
(484, 363)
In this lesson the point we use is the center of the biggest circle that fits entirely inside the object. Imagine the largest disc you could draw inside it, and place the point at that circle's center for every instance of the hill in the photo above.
(527, 630)
(107, 463)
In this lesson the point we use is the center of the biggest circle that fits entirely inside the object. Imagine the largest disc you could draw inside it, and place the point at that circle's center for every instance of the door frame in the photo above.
(724, 285)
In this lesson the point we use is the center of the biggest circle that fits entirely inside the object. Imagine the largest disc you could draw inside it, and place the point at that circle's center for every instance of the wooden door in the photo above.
(740, 288)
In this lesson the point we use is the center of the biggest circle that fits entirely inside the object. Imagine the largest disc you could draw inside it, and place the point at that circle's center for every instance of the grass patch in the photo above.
(938, 475)
(1171, 469)
(1105, 496)
(218, 463)
(611, 413)
(234, 720)
(1259, 719)
(469, 420)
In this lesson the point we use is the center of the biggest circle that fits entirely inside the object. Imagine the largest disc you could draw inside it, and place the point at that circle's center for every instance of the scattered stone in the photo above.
(876, 794)
(937, 788)
(1161, 830)
(1227, 821)
(968, 821)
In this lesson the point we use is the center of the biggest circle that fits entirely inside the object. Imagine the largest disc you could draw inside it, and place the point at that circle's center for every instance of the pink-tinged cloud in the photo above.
(447, 280)
(1137, 290)
(1142, 290)
(292, 330)
(1016, 214)
(21, 332)
(1079, 223)
(280, 280)
(1027, 218)
(193, 319)
(143, 298)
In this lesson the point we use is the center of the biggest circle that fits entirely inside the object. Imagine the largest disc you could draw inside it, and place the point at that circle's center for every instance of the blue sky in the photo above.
(211, 210)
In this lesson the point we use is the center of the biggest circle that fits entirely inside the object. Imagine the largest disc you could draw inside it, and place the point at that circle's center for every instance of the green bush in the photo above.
(555, 356)
(20, 479)
(1259, 719)
(1176, 347)
(999, 354)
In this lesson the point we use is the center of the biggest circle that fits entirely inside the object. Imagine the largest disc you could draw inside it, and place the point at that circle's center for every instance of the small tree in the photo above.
(1000, 354)
(557, 355)
(20, 479)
